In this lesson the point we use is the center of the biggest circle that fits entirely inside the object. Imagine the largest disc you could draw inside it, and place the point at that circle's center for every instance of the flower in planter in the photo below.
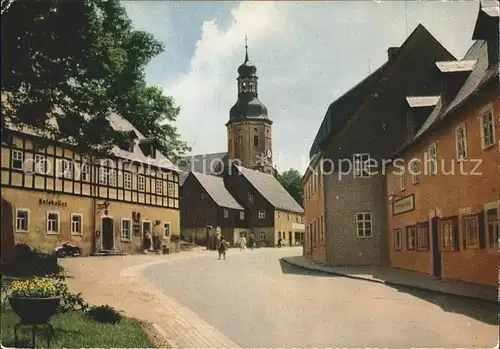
(33, 288)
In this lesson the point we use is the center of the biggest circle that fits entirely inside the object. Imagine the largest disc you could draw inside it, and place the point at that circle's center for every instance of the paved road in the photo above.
(257, 301)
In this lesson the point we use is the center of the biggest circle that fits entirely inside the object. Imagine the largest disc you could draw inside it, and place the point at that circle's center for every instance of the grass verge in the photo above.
(75, 330)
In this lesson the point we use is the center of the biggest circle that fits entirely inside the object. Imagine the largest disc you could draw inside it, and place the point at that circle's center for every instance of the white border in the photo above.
(28, 221)
(58, 223)
(169, 229)
(486, 109)
(81, 223)
(461, 126)
(121, 229)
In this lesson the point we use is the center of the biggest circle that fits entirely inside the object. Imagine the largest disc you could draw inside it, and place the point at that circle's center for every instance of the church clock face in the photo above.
(269, 153)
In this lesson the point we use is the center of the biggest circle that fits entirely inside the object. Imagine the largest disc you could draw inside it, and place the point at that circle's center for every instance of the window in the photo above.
(103, 175)
(127, 180)
(402, 179)
(40, 164)
(159, 186)
(471, 231)
(52, 223)
(255, 140)
(361, 165)
(166, 230)
(203, 196)
(461, 142)
(288, 216)
(67, 168)
(126, 229)
(250, 197)
(487, 129)
(240, 141)
(415, 169)
(364, 224)
(112, 178)
(226, 213)
(171, 189)
(423, 237)
(76, 224)
(242, 215)
(85, 172)
(492, 226)
(141, 183)
(433, 158)
(262, 214)
(22, 220)
(411, 237)
(262, 235)
(446, 235)
(397, 239)
(17, 159)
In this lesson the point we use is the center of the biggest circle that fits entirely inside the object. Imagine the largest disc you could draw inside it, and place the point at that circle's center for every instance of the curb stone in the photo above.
(388, 283)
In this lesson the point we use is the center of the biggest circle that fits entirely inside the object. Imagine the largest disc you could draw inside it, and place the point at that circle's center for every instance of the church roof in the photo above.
(271, 189)
(217, 190)
(210, 164)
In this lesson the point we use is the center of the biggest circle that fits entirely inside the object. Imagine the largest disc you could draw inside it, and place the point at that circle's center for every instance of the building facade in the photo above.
(445, 190)
(60, 195)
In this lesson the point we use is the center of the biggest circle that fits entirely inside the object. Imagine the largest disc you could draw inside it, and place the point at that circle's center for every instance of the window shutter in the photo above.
(456, 237)
(481, 130)
(482, 231)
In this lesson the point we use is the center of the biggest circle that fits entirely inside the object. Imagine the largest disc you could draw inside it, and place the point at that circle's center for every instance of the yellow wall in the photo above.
(287, 222)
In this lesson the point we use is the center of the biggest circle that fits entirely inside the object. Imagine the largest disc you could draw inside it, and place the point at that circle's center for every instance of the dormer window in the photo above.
(148, 147)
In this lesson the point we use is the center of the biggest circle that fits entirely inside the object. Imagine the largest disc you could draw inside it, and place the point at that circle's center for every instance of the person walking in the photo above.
(251, 242)
(243, 243)
(222, 248)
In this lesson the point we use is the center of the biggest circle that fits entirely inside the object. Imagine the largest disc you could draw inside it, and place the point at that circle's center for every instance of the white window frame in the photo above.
(250, 197)
(262, 214)
(27, 220)
(226, 213)
(141, 183)
(127, 180)
(103, 175)
(433, 158)
(169, 229)
(242, 215)
(73, 232)
(159, 186)
(122, 235)
(398, 247)
(361, 234)
(17, 155)
(67, 169)
(112, 177)
(415, 172)
(403, 179)
(487, 111)
(360, 166)
(170, 189)
(461, 141)
(85, 172)
(40, 164)
(53, 232)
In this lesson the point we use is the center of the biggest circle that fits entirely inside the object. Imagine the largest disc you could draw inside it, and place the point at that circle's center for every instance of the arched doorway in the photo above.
(107, 233)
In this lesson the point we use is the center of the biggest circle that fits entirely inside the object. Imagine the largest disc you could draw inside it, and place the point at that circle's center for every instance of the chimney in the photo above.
(391, 52)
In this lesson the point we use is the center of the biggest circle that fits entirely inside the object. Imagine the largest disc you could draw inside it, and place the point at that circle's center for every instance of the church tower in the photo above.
(249, 137)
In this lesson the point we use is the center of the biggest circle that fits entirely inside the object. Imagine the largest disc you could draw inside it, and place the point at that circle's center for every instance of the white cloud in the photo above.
(307, 55)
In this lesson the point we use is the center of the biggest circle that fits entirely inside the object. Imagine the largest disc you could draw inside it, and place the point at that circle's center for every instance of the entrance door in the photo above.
(436, 254)
(107, 233)
(146, 228)
(290, 238)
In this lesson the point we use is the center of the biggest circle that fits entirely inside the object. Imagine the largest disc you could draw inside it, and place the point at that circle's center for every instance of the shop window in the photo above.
(492, 227)
(22, 217)
(423, 237)
(166, 229)
(126, 229)
(53, 223)
(76, 224)
(17, 159)
(364, 224)
(127, 180)
(397, 239)
(411, 237)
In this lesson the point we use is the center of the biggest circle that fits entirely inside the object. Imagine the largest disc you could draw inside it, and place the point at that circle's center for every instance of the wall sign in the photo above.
(57, 203)
(403, 205)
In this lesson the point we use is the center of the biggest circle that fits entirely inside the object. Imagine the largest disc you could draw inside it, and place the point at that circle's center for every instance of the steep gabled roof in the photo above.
(271, 189)
(216, 189)
(210, 164)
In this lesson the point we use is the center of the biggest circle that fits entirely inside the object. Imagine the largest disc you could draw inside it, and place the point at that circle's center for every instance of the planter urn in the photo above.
(34, 311)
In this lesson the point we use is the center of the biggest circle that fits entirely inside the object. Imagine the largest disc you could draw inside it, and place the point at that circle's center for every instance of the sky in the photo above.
(307, 54)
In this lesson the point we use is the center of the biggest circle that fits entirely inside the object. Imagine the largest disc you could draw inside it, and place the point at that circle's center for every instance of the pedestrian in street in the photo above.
(251, 242)
(222, 248)
(243, 243)
(280, 242)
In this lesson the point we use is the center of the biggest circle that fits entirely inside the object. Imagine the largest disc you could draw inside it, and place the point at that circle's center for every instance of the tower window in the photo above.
(251, 87)
(240, 141)
(255, 140)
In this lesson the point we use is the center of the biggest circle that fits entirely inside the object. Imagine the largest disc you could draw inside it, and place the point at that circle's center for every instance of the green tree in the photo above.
(292, 182)
(76, 62)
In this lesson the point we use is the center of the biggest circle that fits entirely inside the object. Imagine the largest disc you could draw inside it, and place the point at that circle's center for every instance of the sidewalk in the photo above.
(398, 277)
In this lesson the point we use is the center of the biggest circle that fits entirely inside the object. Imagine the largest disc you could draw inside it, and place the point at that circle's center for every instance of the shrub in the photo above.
(104, 314)
(33, 288)
(28, 262)
(69, 301)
